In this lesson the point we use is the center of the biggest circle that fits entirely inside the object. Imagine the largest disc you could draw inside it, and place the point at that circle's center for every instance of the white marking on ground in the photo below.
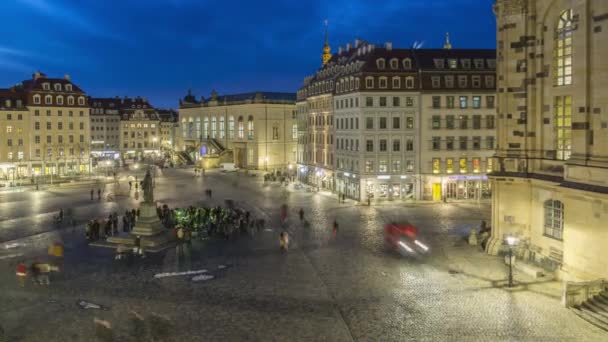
(177, 274)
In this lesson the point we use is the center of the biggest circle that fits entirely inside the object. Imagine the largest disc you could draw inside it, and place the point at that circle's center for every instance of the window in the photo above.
(409, 144)
(449, 143)
(70, 100)
(490, 83)
(36, 112)
(240, 127)
(452, 63)
(396, 145)
(478, 63)
(231, 127)
(554, 219)
(294, 131)
(369, 146)
(36, 125)
(490, 101)
(396, 102)
(462, 81)
(394, 63)
(476, 165)
(396, 166)
(449, 121)
(380, 63)
(449, 81)
(409, 122)
(382, 123)
(37, 139)
(476, 81)
(68, 87)
(562, 52)
(369, 166)
(463, 165)
(48, 125)
(436, 101)
(436, 165)
(60, 139)
(490, 121)
(48, 99)
(490, 143)
(436, 143)
(382, 101)
(60, 125)
(476, 143)
(9, 129)
(409, 165)
(463, 143)
(356, 102)
(82, 125)
(60, 100)
(369, 123)
(46, 86)
(407, 63)
(249, 127)
(476, 121)
(449, 101)
(382, 82)
(9, 142)
(409, 101)
(396, 122)
(464, 122)
(81, 101)
(409, 82)
(396, 83)
(563, 126)
(275, 132)
(369, 101)
(449, 165)
(48, 139)
(382, 167)
(489, 164)
(383, 145)
(436, 122)
(435, 81)
(464, 102)
(369, 82)
(36, 99)
(476, 101)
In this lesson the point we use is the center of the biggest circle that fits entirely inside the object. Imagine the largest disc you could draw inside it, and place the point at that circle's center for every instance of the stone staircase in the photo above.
(594, 310)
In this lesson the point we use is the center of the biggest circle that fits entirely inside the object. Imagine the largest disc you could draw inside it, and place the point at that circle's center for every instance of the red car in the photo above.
(403, 237)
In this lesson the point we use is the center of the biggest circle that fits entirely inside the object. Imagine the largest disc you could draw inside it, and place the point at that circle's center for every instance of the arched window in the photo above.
(48, 99)
(396, 82)
(71, 100)
(394, 63)
(409, 82)
(554, 219)
(562, 51)
(213, 127)
(222, 128)
(57, 86)
(250, 127)
(190, 128)
(36, 99)
(380, 63)
(205, 128)
(231, 127)
(81, 101)
(407, 63)
(59, 99)
(241, 127)
(68, 87)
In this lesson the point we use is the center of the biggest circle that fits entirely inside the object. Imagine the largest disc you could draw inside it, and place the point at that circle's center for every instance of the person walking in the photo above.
(130, 185)
(301, 214)
(98, 194)
(21, 274)
(335, 228)
(125, 224)
(92, 192)
(60, 215)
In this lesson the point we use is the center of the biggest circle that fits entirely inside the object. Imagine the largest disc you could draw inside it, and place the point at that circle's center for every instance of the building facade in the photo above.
(385, 132)
(169, 131)
(259, 129)
(140, 133)
(46, 128)
(105, 127)
(550, 179)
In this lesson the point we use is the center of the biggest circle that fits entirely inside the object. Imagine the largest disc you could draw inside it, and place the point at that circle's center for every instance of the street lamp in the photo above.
(511, 242)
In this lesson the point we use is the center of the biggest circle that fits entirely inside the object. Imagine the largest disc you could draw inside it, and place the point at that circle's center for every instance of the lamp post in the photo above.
(511, 242)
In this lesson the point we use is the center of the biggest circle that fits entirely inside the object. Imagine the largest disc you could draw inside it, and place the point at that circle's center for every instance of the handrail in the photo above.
(576, 293)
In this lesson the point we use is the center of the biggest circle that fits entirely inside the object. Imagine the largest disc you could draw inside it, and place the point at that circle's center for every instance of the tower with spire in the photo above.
(326, 48)
(447, 44)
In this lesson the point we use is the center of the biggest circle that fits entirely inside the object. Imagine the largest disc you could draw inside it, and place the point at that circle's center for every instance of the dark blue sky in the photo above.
(160, 48)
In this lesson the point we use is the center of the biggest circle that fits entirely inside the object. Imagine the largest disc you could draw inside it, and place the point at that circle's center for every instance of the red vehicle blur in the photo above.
(403, 237)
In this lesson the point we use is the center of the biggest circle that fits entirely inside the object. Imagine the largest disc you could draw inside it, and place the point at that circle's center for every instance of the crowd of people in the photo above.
(102, 228)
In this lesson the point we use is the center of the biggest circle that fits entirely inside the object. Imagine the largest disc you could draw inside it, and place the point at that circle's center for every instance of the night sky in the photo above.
(160, 48)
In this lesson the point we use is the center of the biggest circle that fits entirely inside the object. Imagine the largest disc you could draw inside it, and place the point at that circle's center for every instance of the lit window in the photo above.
(231, 127)
(489, 164)
(562, 53)
(463, 165)
(369, 166)
(249, 127)
(464, 102)
(476, 165)
(554, 219)
(452, 63)
(563, 126)
(449, 165)
(396, 166)
(436, 165)
(382, 166)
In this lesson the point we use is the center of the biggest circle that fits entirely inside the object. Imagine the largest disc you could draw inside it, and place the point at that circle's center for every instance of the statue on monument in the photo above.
(147, 186)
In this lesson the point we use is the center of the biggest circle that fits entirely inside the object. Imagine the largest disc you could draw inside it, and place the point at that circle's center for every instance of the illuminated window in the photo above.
(489, 164)
(369, 166)
(231, 127)
(449, 165)
(476, 165)
(382, 166)
(250, 128)
(222, 128)
(396, 166)
(294, 131)
(562, 52)
(463, 165)
(436, 165)
(563, 126)
(205, 127)
(554, 219)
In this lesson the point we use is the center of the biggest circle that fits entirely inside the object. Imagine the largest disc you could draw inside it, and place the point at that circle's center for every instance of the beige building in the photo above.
(139, 130)
(48, 133)
(105, 127)
(550, 179)
(259, 129)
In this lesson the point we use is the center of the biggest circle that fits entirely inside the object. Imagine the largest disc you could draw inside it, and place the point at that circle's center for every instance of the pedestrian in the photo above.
(130, 185)
(87, 231)
(92, 192)
(343, 198)
(133, 215)
(284, 241)
(115, 224)
(137, 213)
(335, 228)
(125, 224)
(301, 212)
(21, 274)
(98, 194)
(60, 215)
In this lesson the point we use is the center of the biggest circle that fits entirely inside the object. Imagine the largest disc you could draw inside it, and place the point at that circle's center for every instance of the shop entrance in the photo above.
(436, 191)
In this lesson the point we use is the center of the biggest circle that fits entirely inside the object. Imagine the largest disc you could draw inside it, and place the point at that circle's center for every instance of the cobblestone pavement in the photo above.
(324, 289)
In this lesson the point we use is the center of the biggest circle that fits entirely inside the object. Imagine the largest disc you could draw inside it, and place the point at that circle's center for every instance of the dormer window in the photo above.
(7, 103)
(466, 63)
(396, 82)
(462, 81)
(478, 63)
(492, 63)
(60, 100)
(476, 81)
(380, 63)
(46, 86)
(439, 63)
(81, 101)
(435, 82)
(57, 86)
(490, 81)
(409, 82)
(369, 82)
(68, 87)
(357, 83)
(452, 63)
(449, 81)
(48, 99)
(407, 64)
(394, 63)
(382, 82)
(71, 100)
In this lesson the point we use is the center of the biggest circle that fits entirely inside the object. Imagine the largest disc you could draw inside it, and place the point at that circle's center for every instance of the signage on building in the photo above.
(463, 177)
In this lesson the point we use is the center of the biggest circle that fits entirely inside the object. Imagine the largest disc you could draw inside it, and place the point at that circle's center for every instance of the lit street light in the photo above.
(511, 242)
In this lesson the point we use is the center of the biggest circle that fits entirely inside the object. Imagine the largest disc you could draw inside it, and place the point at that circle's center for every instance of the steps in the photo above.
(594, 310)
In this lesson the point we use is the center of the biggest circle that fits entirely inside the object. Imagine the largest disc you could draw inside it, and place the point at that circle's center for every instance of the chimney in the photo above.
(357, 43)
(389, 46)
(66, 77)
(348, 47)
(340, 50)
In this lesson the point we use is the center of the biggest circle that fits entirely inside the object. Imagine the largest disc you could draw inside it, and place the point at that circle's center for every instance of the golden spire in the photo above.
(326, 49)
(447, 44)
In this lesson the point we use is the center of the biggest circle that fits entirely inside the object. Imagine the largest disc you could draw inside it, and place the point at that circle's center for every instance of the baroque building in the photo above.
(550, 178)
(254, 130)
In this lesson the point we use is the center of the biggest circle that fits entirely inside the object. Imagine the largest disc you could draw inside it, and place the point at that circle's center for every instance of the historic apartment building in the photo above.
(45, 128)
(140, 134)
(105, 127)
(550, 179)
(402, 123)
(169, 131)
(259, 129)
